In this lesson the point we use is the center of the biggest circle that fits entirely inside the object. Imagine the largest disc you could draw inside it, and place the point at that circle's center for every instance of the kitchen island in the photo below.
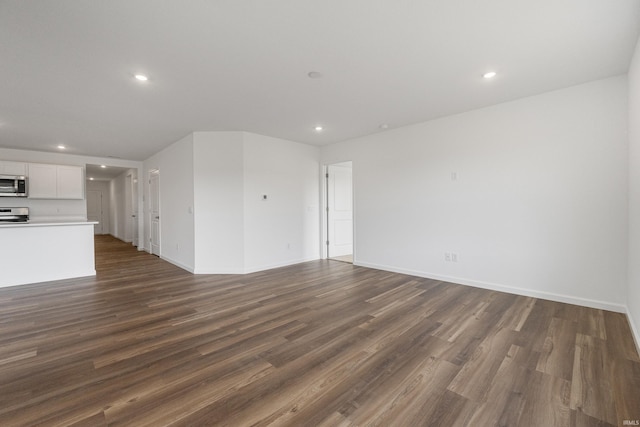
(36, 251)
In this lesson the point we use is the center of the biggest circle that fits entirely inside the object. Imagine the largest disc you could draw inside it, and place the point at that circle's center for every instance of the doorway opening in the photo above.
(95, 208)
(339, 212)
(112, 201)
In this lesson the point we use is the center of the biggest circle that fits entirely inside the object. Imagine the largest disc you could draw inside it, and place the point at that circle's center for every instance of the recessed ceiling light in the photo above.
(318, 128)
(489, 75)
(384, 126)
(91, 179)
(141, 77)
(62, 147)
(314, 75)
(103, 166)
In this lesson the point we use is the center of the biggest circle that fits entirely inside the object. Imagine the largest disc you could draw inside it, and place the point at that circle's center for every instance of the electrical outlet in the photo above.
(454, 257)
(447, 256)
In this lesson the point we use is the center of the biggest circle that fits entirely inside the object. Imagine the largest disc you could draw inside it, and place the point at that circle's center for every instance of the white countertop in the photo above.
(47, 223)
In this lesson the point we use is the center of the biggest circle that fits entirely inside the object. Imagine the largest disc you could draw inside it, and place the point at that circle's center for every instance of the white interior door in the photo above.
(154, 209)
(340, 210)
(94, 209)
(128, 211)
(134, 209)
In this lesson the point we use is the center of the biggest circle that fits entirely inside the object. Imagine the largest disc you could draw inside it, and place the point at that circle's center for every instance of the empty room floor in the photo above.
(145, 343)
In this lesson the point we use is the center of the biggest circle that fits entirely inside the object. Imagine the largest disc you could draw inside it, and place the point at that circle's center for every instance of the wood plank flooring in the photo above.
(322, 343)
(343, 258)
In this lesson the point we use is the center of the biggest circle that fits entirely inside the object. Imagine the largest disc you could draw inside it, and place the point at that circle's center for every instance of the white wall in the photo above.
(49, 210)
(218, 198)
(175, 164)
(210, 200)
(235, 230)
(539, 206)
(285, 228)
(104, 187)
(633, 289)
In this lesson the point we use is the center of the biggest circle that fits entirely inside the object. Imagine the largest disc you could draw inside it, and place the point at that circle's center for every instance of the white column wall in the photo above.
(283, 229)
(218, 197)
(235, 230)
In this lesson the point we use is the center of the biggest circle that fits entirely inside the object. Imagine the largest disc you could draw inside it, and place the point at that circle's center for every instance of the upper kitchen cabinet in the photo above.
(43, 181)
(70, 183)
(12, 168)
(55, 181)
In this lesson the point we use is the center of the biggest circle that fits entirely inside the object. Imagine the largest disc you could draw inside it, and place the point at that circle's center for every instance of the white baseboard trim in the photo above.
(278, 265)
(253, 269)
(218, 271)
(51, 277)
(177, 264)
(602, 305)
(634, 330)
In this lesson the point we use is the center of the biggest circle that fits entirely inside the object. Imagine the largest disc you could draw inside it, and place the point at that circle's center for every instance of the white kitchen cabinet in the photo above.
(70, 184)
(42, 181)
(55, 181)
(12, 168)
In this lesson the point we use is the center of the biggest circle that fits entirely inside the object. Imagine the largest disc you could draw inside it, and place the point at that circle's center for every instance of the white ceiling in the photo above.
(98, 173)
(66, 66)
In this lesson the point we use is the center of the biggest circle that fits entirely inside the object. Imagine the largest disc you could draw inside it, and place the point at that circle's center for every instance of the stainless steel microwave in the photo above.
(13, 186)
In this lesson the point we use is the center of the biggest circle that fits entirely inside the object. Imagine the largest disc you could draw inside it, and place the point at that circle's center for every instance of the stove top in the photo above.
(14, 214)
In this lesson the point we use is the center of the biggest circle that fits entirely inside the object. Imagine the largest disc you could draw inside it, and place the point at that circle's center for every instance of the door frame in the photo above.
(324, 214)
(153, 172)
(131, 206)
(128, 208)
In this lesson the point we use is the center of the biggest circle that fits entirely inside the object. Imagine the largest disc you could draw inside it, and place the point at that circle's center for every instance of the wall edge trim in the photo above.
(568, 299)
(634, 331)
(177, 264)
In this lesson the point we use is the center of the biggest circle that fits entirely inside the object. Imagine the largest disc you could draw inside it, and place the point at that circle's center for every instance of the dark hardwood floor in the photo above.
(323, 343)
